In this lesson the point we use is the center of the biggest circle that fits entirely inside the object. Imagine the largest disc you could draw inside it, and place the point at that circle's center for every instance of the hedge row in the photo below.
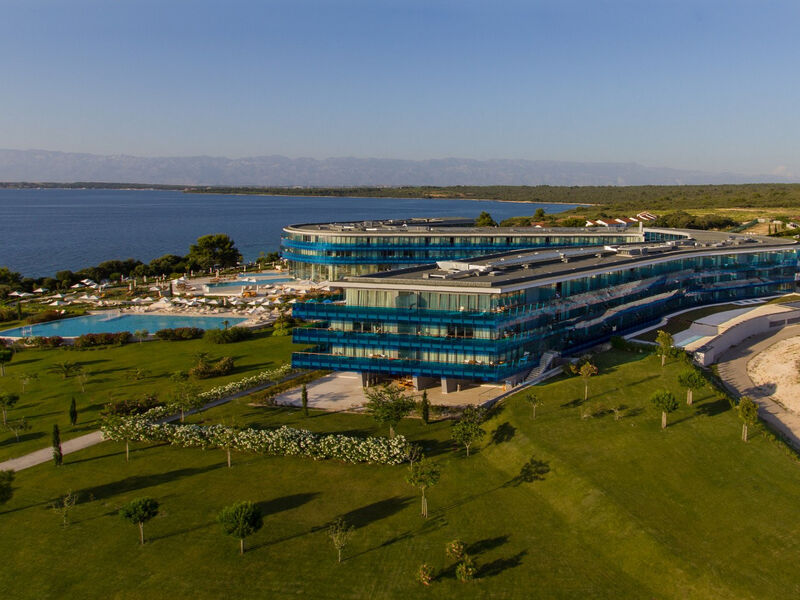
(179, 334)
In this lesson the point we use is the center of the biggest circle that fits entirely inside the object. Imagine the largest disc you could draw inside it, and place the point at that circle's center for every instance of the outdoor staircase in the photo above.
(544, 364)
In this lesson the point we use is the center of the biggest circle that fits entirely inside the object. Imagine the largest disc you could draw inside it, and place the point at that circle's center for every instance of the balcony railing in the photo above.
(405, 341)
(404, 366)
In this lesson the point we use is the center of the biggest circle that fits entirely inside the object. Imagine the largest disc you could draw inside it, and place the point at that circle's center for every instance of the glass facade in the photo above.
(490, 336)
(330, 255)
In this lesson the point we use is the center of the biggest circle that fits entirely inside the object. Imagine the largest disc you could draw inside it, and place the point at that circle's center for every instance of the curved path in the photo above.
(732, 367)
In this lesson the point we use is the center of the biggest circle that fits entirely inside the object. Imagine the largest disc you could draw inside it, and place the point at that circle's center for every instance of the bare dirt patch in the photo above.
(775, 372)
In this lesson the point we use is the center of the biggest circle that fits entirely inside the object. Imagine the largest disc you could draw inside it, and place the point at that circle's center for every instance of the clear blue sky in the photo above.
(712, 85)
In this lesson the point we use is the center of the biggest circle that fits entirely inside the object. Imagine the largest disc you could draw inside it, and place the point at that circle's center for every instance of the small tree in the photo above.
(83, 379)
(388, 404)
(534, 401)
(586, 371)
(241, 520)
(340, 533)
(63, 505)
(73, 413)
(7, 402)
(748, 413)
(692, 380)
(665, 345)
(465, 570)
(58, 457)
(138, 512)
(455, 550)
(466, 433)
(413, 453)
(422, 475)
(425, 574)
(186, 396)
(304, 399)
(141, 334)
(425, 408)
(17, 426)
(65, 368)
(664, 401)
(6, 487)
(6, 354)
(27, 378)
(485, 220)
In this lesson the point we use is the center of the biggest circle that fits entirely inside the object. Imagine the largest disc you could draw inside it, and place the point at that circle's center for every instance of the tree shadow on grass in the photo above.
(433, 523)
(504, 433)
(91, 458)
(432, 447)
(276, 505)
(573, 403)
(533, 470)
(24, 437)
(376, 511)
(137, 482)
(501, 564)
(634, 412)
(713, 408)
(486, 544)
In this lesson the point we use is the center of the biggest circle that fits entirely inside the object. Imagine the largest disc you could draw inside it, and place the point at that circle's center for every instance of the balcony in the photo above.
(403, 366)
(403, 341)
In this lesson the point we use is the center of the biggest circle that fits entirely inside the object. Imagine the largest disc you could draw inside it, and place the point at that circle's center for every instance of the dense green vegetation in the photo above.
(573, 503)
(47, 379)
(616, 198)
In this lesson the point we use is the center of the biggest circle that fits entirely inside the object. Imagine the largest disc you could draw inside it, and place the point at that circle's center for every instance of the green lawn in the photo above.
(46, 400)
(625, 511)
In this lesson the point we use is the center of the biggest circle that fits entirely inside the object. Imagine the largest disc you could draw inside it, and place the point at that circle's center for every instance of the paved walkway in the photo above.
(342, 390)
(732, 367)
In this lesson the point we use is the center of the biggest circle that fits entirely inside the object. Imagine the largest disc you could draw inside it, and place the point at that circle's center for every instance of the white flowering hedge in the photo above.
(284, 441)
(222, 391)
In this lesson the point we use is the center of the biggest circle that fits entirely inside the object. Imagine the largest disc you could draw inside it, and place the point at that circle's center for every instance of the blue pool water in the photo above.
(259, 281)
(116, 323)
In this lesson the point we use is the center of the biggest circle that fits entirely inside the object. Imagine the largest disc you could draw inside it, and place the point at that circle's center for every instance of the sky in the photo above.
(708, 85)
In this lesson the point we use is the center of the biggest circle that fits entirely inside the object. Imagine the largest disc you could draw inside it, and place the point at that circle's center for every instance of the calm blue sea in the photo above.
(44, 231)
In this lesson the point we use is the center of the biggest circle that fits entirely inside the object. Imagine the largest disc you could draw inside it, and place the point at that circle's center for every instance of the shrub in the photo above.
(88, 340)
(205, 369)
(179, 334)
(228, 336)
(131, 406)
(53, 341)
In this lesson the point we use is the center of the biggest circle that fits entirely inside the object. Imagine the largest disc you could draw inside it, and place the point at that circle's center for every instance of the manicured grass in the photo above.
(46, 400)
(625, 511)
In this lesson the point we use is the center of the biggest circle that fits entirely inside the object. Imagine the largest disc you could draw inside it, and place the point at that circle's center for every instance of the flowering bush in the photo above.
(284, 441)
(246, 383)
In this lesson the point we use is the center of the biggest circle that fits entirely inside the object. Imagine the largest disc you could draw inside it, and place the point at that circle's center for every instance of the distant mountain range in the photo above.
(64, 167)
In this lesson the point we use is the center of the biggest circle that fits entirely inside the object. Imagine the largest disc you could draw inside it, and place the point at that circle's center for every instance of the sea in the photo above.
(47, 230)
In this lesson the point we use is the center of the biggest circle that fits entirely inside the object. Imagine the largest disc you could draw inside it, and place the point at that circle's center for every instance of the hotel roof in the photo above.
(524, 268)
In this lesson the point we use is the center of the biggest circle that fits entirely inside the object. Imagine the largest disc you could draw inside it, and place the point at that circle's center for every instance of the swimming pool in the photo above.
(258, 281)
(114, 323)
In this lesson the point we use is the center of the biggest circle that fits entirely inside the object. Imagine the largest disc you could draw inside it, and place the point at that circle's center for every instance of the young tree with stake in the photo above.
(534, 401)
(138, 512)
(664, 401)
(586, 371)
(304, 399)
(7, 401)
(466, 433)
(340, 533)
(422, 475)
(748, 413)
(665, 345)
(692, 380)
(241, 520)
